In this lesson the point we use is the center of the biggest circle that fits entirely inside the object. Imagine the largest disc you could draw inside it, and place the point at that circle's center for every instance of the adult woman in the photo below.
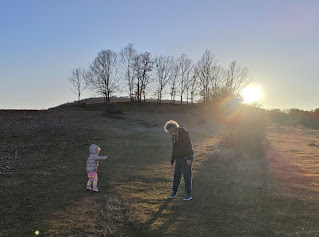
(183, 156)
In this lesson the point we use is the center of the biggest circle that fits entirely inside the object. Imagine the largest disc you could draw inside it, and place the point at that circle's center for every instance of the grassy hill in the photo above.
(252, 177)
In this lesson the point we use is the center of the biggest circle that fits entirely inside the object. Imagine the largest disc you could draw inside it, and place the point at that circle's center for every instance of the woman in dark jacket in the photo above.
(183, 156)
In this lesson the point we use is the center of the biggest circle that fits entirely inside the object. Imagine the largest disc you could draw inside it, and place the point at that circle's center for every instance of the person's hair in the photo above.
(170, 126)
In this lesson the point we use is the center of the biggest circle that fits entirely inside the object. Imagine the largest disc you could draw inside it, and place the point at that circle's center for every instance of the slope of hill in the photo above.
(237, 192)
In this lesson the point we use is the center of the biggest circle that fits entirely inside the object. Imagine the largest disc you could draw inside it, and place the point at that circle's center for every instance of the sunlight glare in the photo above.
(251, 94)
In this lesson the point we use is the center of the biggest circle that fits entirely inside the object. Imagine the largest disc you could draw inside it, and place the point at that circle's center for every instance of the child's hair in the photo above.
(170, 126)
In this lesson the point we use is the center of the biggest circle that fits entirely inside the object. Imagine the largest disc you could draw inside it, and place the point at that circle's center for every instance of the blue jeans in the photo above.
(181, 167)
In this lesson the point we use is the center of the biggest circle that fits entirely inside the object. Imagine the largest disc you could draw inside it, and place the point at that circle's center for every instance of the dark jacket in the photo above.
(182, 146)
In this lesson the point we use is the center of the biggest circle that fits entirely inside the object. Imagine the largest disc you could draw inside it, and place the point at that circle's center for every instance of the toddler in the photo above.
(92, 165)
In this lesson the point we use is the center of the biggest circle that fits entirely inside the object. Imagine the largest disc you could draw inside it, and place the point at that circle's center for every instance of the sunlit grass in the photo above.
(294, 159)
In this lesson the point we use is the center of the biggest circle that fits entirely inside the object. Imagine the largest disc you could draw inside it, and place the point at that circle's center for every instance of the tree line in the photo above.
(140, 75)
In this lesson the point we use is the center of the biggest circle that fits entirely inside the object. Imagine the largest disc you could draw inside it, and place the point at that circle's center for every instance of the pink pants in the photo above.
(92, 178)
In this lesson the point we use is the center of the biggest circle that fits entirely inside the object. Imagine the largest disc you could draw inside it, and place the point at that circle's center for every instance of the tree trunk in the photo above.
(138, 90)
(187, 96)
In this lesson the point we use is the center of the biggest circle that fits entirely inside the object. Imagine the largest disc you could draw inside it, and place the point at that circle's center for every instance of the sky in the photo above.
(41, 42)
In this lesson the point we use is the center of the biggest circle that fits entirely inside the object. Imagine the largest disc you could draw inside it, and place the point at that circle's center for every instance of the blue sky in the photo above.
(42, 41)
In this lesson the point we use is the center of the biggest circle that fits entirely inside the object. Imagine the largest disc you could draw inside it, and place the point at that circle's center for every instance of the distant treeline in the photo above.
(295, 117)
(140, 75)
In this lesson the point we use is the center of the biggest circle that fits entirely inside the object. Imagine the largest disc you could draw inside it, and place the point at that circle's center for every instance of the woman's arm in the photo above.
(173, 158)
(188, 147)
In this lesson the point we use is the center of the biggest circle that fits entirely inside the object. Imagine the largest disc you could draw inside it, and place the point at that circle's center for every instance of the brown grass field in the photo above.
(249, 178)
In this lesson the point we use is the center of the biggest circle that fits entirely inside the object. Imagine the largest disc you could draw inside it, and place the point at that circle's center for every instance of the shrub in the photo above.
(295, 117)
(112, 111)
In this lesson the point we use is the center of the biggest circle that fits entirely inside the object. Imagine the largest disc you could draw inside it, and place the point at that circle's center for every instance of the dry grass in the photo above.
(293, 156)
(94, 215)
(239, 189)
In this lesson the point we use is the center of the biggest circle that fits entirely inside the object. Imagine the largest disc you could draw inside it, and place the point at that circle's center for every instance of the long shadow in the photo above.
(158, 214)
(163, 229)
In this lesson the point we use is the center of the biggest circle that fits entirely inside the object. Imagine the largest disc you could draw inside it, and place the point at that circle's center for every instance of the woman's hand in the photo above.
(189, 162)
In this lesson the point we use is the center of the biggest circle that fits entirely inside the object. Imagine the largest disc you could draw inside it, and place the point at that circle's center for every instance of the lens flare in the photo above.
(251, 94)
(226, 109)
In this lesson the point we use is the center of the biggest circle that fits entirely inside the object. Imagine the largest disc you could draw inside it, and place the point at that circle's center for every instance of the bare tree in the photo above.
(237, 78)
(78, 81)
(143, 65)
(147, 63)
(193, 85)
(163, 73)
(185, 67)
(104, 74)
(137, 73)
(188, 80)
(217, 81)
(173, 80)
(204, 71)
(127, 61)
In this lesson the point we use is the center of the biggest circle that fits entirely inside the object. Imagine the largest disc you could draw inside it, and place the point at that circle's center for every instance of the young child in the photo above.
(92, 165)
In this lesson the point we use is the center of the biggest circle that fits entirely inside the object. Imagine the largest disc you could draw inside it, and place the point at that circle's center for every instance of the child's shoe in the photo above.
(88, 188)
(172, 195)
(96, 190)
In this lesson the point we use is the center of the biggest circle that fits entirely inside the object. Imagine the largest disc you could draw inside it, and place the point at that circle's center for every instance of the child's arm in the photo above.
(101, 157)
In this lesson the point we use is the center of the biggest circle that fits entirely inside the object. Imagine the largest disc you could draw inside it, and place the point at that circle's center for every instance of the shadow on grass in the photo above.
(158, 214)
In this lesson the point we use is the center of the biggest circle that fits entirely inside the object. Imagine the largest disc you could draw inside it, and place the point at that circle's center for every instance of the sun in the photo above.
(251, 94)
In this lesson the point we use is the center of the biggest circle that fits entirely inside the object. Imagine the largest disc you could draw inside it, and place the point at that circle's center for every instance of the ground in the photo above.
(43, 179)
